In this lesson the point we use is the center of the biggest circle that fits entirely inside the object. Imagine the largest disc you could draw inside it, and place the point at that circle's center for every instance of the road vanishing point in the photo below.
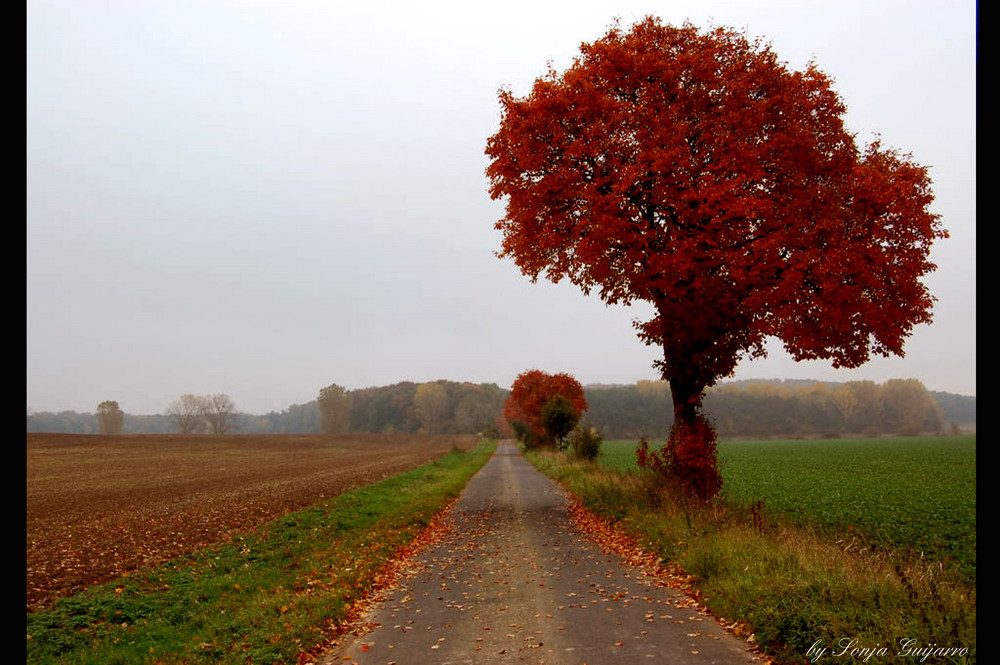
(514, 580)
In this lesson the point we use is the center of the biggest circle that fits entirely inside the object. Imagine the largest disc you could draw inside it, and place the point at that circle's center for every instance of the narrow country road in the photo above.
(516, 582)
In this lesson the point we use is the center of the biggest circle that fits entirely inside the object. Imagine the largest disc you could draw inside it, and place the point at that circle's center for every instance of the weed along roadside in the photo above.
(270, 595)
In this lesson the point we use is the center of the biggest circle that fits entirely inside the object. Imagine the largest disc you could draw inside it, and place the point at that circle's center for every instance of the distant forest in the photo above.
(738, 409)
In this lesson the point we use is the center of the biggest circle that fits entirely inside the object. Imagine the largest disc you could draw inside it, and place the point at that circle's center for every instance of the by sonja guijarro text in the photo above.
(855, 649)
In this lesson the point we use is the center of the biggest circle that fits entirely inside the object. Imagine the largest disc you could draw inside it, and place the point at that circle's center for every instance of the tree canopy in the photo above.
(559, 417)
(334, 405)
(695, 171)
(529, 394)
(110, 418)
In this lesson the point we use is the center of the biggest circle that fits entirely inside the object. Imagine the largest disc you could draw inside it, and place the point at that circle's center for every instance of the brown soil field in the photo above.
(100, 507)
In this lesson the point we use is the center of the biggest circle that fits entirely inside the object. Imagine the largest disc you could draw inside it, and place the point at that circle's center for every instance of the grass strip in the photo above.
(796, 590)
(266, 596)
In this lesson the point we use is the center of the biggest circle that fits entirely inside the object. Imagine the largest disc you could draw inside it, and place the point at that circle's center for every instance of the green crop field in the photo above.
(901, 492)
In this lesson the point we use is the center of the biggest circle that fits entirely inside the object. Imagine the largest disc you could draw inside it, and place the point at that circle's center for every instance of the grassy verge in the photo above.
(265, 597)
(797, 589)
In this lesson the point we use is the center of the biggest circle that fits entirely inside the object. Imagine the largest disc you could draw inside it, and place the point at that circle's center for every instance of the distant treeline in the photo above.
(786, 409)
(464, 408)
(738, 409)
(438, 407)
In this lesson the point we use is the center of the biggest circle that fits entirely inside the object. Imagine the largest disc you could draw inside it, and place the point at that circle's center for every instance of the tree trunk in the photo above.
(687, 400)
(690, 454)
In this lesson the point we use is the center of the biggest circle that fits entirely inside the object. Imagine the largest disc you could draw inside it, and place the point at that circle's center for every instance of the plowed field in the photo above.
(100, 507)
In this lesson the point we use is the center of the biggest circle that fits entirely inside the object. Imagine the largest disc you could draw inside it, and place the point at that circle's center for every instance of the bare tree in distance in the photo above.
(219, 412)
(110, 418)
(188, 414)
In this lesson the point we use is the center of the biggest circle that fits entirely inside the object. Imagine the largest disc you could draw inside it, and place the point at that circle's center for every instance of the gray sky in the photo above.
(264, 197)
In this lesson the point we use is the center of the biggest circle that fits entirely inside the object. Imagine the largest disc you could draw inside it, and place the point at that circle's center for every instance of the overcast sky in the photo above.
(264, 197)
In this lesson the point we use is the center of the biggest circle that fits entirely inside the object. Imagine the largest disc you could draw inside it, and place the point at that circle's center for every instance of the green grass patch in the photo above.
(264, 597)
(796, 572)
(917, 493)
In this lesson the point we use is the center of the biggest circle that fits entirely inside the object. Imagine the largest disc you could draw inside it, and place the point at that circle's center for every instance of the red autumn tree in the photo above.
(694, 171)
(532, 390)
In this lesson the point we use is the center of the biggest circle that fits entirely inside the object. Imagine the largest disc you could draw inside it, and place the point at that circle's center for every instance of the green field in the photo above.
(899, 491)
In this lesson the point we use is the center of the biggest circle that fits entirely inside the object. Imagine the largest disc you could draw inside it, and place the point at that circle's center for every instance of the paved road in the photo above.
(516, 582)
